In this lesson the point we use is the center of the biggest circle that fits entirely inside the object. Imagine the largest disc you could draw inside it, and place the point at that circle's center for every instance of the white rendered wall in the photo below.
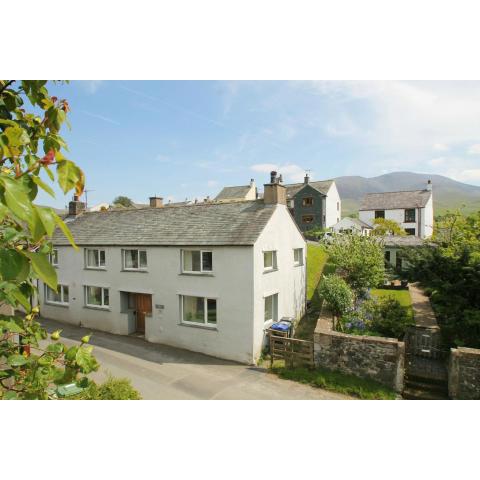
(398, 215)
(333, 215)
(427, 223)
(288, 281)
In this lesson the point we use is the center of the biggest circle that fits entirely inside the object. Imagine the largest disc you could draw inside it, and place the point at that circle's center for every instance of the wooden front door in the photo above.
(144, 307)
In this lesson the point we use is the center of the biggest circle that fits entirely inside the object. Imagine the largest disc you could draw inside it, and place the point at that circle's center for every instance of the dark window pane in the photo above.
(379, 213)
(207, 261)
(211, 311)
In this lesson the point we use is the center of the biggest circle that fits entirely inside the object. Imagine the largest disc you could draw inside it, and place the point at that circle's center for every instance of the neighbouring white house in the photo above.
(209, 277)
(352, 225)
(413, 210)
(393, 247)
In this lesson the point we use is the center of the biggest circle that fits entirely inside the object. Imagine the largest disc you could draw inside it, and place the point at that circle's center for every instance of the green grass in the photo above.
(402, 296)
(337, 382)
(316, 266)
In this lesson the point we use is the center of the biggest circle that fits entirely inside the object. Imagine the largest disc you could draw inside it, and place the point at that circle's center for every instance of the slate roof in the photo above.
(405, 241)
(322, 186)
(356, 221)
(233, 223)
(393, 200)
(230, 193)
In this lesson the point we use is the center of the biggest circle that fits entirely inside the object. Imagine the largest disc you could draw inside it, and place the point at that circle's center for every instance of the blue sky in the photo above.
(186, 139)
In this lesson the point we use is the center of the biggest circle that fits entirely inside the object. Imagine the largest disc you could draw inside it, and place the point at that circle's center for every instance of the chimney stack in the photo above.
(156, 202)
(429, 185)
(76, 207)
(252, 182)
(306, 179)
(274, 193)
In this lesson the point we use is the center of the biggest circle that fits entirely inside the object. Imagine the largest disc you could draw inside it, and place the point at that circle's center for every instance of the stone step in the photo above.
(435, 388)
(414, 394)
(429, 381)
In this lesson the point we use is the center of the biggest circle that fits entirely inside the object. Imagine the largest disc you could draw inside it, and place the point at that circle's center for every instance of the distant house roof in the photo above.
(233, 223)
(405, 241)
(346, 221)
(393, 200)
(322, 186)
(231, 193)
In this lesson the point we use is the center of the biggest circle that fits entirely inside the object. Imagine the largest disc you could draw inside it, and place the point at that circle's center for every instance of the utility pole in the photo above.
(86, 197)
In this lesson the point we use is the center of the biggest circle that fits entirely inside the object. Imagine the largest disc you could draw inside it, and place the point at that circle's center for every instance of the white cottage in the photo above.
(208, 278)
(413, 210)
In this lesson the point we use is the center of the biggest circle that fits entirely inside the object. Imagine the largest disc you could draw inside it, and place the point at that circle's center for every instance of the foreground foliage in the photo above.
(112, 389)
(337, 382)
(450, 273)
(31, 146)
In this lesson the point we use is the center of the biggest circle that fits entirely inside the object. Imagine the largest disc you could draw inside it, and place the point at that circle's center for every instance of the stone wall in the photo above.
(464, 374)
(376, 358)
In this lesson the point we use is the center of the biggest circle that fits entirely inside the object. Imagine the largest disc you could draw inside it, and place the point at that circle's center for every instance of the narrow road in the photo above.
(163, 372)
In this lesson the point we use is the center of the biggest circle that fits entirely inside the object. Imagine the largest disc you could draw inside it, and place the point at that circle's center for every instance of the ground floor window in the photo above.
(60, 296)
(387, 256)
(199, 310)
(308, 218)
(298, 256)
(410, 231)
(97, 296)
(271, 307)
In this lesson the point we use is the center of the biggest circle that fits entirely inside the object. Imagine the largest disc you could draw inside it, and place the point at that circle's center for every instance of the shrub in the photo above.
(336, 292)
(111, 389)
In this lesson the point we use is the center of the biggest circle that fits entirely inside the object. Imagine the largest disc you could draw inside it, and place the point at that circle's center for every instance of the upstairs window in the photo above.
(134, 259)
(379, 213)
(409, 215)
(307, 201)
(54, 257)
(298, 256)
(94, 258)
(58, 297)
(197, 261)
(270, 260)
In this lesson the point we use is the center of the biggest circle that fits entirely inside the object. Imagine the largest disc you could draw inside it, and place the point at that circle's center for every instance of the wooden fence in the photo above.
(293, 350)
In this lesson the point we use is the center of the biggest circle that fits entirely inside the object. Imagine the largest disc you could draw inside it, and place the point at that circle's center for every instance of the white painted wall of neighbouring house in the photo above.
(288, 281)
(332, 213)
(427, 225)
(237, 283)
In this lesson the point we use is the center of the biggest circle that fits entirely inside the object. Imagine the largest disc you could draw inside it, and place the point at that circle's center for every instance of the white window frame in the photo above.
(298, 262)
(274, 297)
(196, 272)
(100, 266)
(274, 261)
(102, 306)
(62, 293)
(51, 255)
(130, 269)
(205, 323)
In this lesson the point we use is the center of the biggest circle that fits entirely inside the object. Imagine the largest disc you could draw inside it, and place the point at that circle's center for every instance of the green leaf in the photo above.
(17, 136)
(69, 175)
(16, 198)
(43, 268)
(43, 185)
(56, 348)
(85, 360)
(16, 360)
(71, 353)
(20, 298)
(10, 395)
(13, 266)
(65, 230)
(47, 218)
(11, 326)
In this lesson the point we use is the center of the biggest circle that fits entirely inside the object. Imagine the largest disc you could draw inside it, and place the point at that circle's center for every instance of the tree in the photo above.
(359, 259)
(123, 201)
(383, 226)
(337, 294)
(449, 269)
(30, 145)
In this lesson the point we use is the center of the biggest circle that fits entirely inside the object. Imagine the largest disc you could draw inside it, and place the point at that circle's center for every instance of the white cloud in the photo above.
(212, 183)
(290, 172)
(435, 162)
(91, 86)
(474, 149)
(440, 147)
(471, 175)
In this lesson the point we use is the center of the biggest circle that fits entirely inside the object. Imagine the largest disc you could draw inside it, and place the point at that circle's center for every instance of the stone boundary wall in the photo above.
(376, 358)
(464, 374)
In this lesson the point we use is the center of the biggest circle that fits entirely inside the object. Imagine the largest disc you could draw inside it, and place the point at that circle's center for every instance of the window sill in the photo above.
(298, 264)
(56, 304)
(201, 326)
(198, 274)
(270, 270)
(137, 270)
(102, 269)
(95, 307)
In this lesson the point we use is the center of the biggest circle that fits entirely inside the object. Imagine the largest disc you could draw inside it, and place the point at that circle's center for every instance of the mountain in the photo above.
(448, 194)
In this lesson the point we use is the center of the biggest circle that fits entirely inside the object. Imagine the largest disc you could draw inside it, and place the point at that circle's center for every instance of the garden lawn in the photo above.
(337, 382)
(402, 296)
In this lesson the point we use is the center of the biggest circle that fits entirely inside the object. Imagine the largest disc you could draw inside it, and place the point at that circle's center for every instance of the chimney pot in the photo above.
(306, 179)
(273, 176)
(156, 202)
(274, 193)
(429, 185)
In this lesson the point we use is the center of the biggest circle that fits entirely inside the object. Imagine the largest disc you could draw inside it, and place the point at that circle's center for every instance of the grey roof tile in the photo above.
(392, 200)
(322, 186)
(231, 193)
(233, 223)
